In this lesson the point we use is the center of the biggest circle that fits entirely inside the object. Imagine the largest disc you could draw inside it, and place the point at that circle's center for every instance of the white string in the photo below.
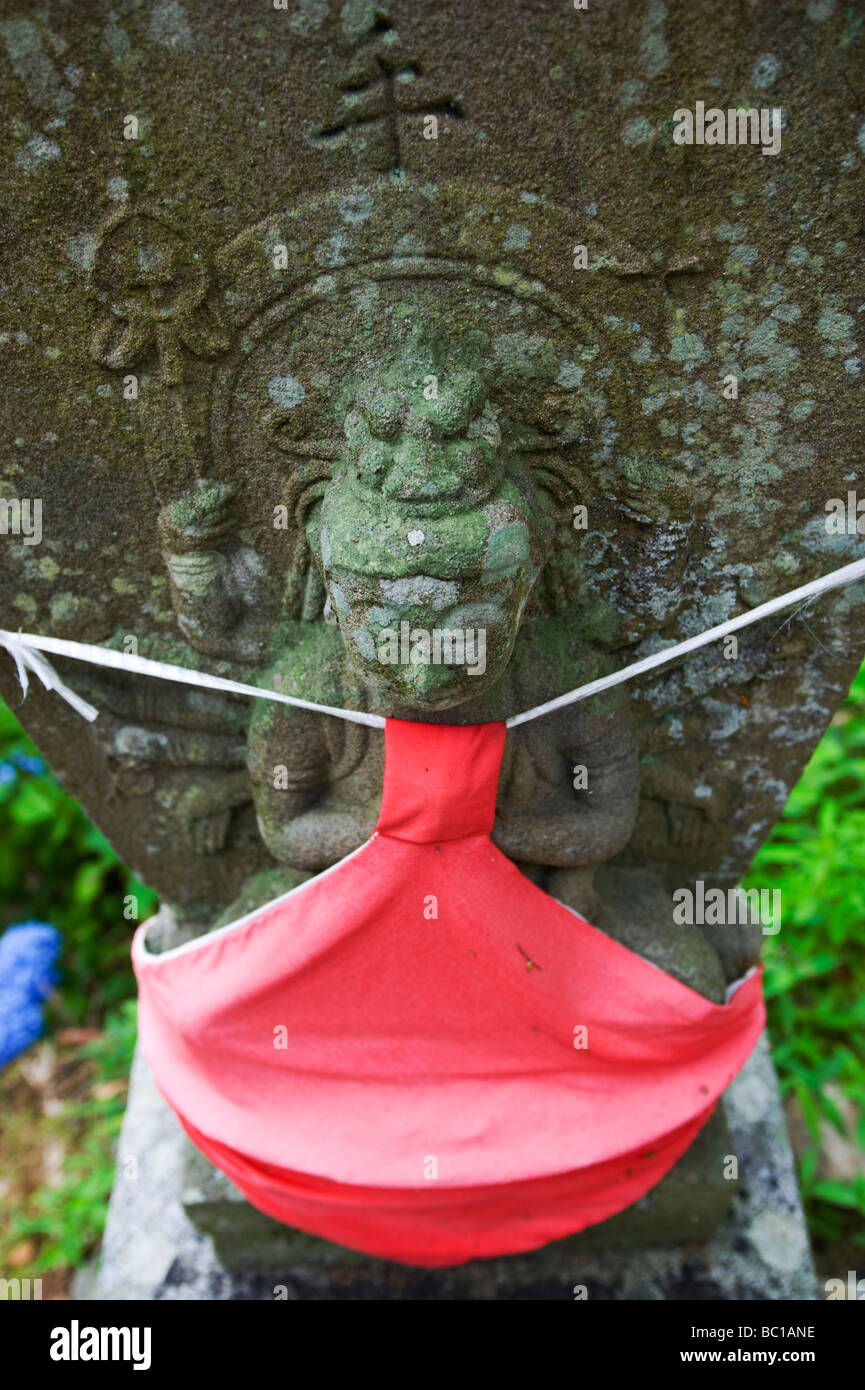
(27, 659)
(24, 648)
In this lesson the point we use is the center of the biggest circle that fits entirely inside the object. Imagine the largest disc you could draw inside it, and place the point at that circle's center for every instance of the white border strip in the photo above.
(187, 947)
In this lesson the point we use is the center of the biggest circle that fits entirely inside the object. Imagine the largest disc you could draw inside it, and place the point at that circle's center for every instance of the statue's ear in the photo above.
(309, 440)
(558, 483)
(304, 593)
(306, 430)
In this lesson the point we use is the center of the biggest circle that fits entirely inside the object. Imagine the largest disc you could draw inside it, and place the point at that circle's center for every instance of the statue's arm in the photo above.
(304, 818)
(587, 815)
(218, 584)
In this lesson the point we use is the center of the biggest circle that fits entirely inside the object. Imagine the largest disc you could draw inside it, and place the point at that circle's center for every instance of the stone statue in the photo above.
(431, 519)
(428, 370)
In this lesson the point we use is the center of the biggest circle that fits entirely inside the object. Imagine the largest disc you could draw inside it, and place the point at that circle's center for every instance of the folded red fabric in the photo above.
(420, 1054)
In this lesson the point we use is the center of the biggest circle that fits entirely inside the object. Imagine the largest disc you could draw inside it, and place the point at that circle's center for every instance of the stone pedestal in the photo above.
(177, 1229)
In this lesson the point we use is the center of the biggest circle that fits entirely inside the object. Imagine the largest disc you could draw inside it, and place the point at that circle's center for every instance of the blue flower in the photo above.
(25, 762)
(19, 762)
(28, 955)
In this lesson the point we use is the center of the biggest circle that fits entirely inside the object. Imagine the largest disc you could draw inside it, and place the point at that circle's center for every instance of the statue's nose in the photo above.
(423, 469)
(445, 415)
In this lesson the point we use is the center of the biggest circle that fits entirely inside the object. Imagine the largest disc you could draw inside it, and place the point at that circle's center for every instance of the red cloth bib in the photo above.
(372, 1059)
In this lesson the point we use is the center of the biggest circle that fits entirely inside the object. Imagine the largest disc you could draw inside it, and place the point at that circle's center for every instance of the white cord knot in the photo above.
(28, 659)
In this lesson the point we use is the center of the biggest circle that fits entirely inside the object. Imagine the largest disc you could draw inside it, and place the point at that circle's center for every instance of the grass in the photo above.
(64, 1102)
(815, 966)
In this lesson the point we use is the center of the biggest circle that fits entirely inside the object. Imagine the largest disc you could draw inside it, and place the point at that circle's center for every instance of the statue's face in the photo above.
(430, 535)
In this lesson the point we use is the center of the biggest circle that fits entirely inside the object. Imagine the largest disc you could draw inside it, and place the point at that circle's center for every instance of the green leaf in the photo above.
(840, 1194)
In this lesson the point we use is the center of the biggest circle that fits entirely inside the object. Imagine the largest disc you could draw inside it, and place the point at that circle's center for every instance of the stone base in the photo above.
(687, 1205)
(760, 1251)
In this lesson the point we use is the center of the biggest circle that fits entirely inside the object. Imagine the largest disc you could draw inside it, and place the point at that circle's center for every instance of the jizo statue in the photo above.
(415, 408)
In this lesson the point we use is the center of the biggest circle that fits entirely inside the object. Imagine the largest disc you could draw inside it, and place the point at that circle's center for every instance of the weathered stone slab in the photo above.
(240, 241)
(274, 208)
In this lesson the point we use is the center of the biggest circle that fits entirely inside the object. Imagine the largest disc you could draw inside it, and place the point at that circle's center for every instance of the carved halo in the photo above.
(322, 294)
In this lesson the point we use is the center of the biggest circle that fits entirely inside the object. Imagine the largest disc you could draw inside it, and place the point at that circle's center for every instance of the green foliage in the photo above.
(68, 1219)
(56, 867)
(815, 966)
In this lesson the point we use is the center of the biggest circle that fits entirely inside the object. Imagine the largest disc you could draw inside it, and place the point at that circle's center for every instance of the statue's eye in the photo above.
(383, 413)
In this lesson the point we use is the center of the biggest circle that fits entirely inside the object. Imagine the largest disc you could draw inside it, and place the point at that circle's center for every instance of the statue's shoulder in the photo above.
(307, 661)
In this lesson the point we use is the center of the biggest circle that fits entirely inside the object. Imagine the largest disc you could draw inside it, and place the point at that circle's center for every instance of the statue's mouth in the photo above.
(432, 492)
(420, 591)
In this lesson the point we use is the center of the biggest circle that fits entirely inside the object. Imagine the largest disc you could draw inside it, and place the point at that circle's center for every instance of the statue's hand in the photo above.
(217, 583)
